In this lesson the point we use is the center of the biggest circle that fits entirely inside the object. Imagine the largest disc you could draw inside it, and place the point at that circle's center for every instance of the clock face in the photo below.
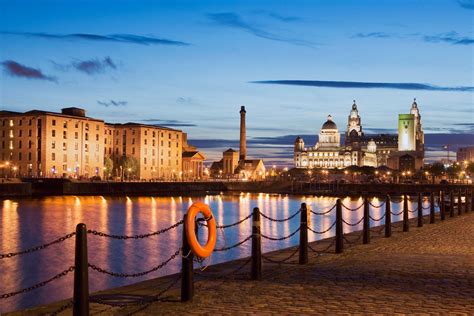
(353, 123)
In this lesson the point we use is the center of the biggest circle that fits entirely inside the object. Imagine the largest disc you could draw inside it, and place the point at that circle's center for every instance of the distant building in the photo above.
(70, 144)
(235, 164)
(465, 154)
(405, 151)
(49, 144)
(411, 142)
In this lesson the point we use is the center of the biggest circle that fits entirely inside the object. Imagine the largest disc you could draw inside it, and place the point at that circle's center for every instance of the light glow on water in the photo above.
(27, 223)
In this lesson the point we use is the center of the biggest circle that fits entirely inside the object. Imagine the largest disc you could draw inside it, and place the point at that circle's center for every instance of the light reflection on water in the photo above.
(30, 222)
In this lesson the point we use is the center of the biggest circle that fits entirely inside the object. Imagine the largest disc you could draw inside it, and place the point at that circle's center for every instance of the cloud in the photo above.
(450, 38)
(169, 123)
(365, 85)
(373, 35)
(90, 67)
(14, 69)
(112, 103)
(116, 38)
(185, 100)
(279, 17)
(233, 20)
(466, 4)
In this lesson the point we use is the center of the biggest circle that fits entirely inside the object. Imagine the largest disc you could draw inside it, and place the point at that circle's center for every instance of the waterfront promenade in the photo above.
(426, 270)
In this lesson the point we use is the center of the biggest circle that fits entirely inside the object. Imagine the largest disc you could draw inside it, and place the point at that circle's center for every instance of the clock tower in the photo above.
(354, 127)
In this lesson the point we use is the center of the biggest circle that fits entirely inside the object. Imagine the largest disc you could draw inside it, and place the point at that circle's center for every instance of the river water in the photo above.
(26, 223)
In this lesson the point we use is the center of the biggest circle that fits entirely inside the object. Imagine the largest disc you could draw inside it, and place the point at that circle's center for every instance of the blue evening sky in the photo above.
(192, 64)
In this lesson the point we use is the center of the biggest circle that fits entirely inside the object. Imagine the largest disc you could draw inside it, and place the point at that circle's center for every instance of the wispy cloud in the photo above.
(185, 100)
(90, 67)
(233, 20)
(112, 103)
(450, 38)
(365, 85)
(170, 123)
(116, 38)
(14, 69)
(466, 4)
(373, 35)
(278, 17)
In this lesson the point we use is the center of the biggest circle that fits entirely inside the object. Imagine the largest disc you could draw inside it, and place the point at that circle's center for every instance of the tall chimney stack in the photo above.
(243, 134)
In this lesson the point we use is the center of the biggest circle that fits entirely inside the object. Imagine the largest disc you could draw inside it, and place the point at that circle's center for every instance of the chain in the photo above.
(280, 220)
(236, 223)
(281, 238)
(323, 250)
(324, 231)
(134, 275)
(38, 285)
(352, 242)
(426, 208)
(234, 246)
(377, 206)
(161, 231)
(377, 220)
(30, 250)
(324, 212)
(413, 210)
(352, 209)
(396, 214)
(283, 260)
(397, 201)
(354, 224)
(62, 308)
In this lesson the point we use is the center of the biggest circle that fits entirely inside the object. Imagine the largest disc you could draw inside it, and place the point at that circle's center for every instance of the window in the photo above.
(65, 124)
(29, 122)
(11, 122)
(64, 146)
(29, 144)
(133, 141)
(144, 160)
(76, 135)
(87, 126)
(145, 141)
(19, 144)
(29, 133)
(64, 135)
(29, 156)
(19, 156)
(20, 133)
(97, 137)
(76, 125)
(53, 144)
(76, 146)
(64, 157)
(53, 133)
(54, 123)
(97, 127)
(87, 136)
(133, 150)
(53, 156)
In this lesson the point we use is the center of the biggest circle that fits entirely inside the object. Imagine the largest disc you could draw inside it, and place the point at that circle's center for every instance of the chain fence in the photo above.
(142, 236)
(280, 220)
(37, 248)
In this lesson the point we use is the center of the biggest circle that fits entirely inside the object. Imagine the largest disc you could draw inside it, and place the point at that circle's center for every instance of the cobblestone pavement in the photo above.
(428, 270)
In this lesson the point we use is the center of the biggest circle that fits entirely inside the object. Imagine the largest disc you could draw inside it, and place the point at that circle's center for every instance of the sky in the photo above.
(191, 65)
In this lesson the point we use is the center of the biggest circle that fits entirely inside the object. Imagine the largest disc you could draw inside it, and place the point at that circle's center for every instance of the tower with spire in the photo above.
(354, 126)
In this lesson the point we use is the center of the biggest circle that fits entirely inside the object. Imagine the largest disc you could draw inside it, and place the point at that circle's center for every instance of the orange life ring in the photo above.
(198, 250)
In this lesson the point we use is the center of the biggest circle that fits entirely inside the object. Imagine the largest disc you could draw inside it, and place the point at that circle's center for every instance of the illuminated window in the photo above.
(11, 133)
(11, 122)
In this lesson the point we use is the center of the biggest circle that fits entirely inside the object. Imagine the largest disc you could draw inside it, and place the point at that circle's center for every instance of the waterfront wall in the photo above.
(46, 187)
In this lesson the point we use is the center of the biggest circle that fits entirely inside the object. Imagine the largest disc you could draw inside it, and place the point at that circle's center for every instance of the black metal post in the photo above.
(459, 203)
(187, 284)
(472, 201)
(451, 204)
(388, 217)
(432, 208)
(406, 224)
(256, 246)
(420, 210)
(81, 273)
(442, 206)
(366, 232)
(339, 228)
(303, 252)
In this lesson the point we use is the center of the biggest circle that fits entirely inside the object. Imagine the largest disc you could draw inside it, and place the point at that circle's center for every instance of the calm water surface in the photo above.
(26, 223)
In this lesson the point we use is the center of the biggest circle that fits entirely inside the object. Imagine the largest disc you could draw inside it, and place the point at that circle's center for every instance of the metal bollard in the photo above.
(472, 201)
(366, 232)
(406, 224)
(442, 206)
(339, 228)
(459, 203)
(432, 208)
(303, 251)
(420, 210)
(451, 204)
(187, 284)
(81, 273)
(388, 217)
(256, 246)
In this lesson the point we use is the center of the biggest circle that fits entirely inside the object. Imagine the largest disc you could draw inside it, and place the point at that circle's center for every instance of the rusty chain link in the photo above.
(234, 224)
(280, 220)
(38, 285)
(324, 231)
(352, 209)
(233, 246)
(353, 224)
(281, 238)
(123, 237)
(324, 212)
(37, 248)
(138, 274)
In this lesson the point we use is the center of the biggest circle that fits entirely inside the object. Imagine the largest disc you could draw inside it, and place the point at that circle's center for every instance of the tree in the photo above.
(128, 166)
(453, 170)
(470, 168)
(108, 167)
